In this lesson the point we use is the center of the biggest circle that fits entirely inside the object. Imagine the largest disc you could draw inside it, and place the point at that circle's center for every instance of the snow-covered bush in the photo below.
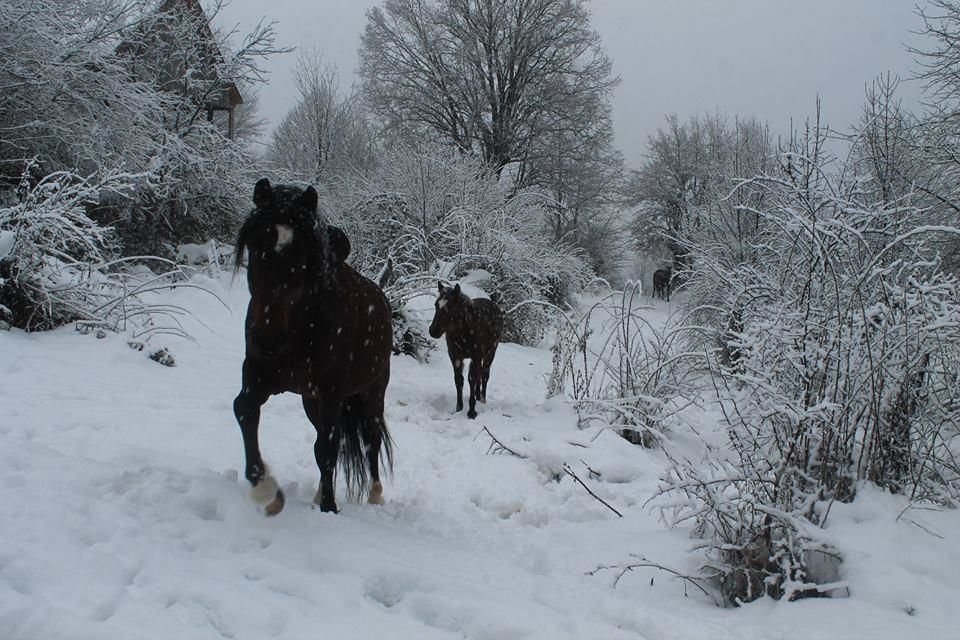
(621, 371)
(58, 265)
(439, 214)
(95, 88)
(68, 100)
(197, 187)
(836, 348)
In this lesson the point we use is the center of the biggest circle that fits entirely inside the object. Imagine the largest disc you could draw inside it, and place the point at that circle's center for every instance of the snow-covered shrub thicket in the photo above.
(439, 214)
(820, 323)
(58, 266)
(836, 349)
(97, 90)
(622, 372)
(196, 188)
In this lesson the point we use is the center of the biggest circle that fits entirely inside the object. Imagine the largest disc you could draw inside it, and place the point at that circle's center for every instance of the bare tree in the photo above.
(937, 138)
(885, 143)
(327, 132)
(493, 78)
(938, 64)
(249, 125)
(582, 173)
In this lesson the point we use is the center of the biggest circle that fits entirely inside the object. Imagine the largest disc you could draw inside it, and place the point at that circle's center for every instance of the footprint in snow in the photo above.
(389, 589)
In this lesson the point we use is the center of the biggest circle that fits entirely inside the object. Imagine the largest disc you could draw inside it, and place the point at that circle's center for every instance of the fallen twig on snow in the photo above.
(498, 447)
(641, 563)
(567, 470)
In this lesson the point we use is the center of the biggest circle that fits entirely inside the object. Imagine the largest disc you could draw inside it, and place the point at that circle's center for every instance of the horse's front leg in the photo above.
(458, 381)
(325, 416)
(474, 377)
(484, 379)
(265, 491)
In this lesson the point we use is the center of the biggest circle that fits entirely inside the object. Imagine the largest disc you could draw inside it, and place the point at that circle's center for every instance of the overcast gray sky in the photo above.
(763, 58)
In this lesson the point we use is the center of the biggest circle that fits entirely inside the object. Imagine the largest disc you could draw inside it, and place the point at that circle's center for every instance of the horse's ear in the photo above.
(309, 198)
(439, 286)
(339, 243)
(262, 193)
(456, 289)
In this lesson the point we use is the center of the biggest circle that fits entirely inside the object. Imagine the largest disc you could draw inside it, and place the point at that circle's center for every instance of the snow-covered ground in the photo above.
(125, 514)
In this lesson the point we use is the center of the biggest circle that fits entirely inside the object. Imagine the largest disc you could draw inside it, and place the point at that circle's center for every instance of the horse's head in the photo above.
(289, 251)
(450, 307)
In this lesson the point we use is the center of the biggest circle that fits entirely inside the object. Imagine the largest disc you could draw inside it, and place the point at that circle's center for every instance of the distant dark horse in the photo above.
(661, 283)
(473, 329)
(319, 329)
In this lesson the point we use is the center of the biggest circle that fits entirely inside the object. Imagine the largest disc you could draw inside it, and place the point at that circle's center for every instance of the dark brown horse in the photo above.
(473, 329)
(661, 283)
(317, 328)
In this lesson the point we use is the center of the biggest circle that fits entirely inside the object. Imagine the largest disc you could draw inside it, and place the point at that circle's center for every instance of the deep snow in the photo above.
(125, 514)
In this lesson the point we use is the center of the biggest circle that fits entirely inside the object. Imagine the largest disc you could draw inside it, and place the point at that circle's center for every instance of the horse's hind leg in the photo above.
(373, 437)
(474, 378)
(485, 375)
(376, 438)
(458, 381)
(484, 379)
(324, 417)
(265, 491)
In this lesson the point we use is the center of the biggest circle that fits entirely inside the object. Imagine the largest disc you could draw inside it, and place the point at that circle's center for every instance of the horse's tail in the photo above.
(358, 435)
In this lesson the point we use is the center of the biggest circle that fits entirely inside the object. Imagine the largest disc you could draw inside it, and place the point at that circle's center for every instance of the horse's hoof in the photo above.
(276, 506)
(376, 493)
(472, 414)
(266, 491)
(482, 400)
(325, 506)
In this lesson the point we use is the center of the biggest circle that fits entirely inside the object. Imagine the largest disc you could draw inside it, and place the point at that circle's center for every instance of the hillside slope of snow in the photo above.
(126, 514)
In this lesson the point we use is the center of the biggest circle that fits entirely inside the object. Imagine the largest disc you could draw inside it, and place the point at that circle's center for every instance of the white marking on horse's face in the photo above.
(441, 303)
(284, 237)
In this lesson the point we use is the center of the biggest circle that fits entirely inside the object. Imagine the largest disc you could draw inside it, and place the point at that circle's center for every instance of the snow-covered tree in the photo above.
(680, 190)
(326, 134)
(110, 92)
(489, 77)
(523, 84)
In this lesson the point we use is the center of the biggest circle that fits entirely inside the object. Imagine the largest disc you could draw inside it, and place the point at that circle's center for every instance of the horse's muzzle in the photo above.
(435, 331)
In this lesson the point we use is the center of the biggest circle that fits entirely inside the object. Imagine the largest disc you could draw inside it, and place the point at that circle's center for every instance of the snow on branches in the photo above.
(58, 265)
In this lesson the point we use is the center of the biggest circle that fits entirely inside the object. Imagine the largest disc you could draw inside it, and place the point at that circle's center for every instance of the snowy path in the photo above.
(124, 516)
